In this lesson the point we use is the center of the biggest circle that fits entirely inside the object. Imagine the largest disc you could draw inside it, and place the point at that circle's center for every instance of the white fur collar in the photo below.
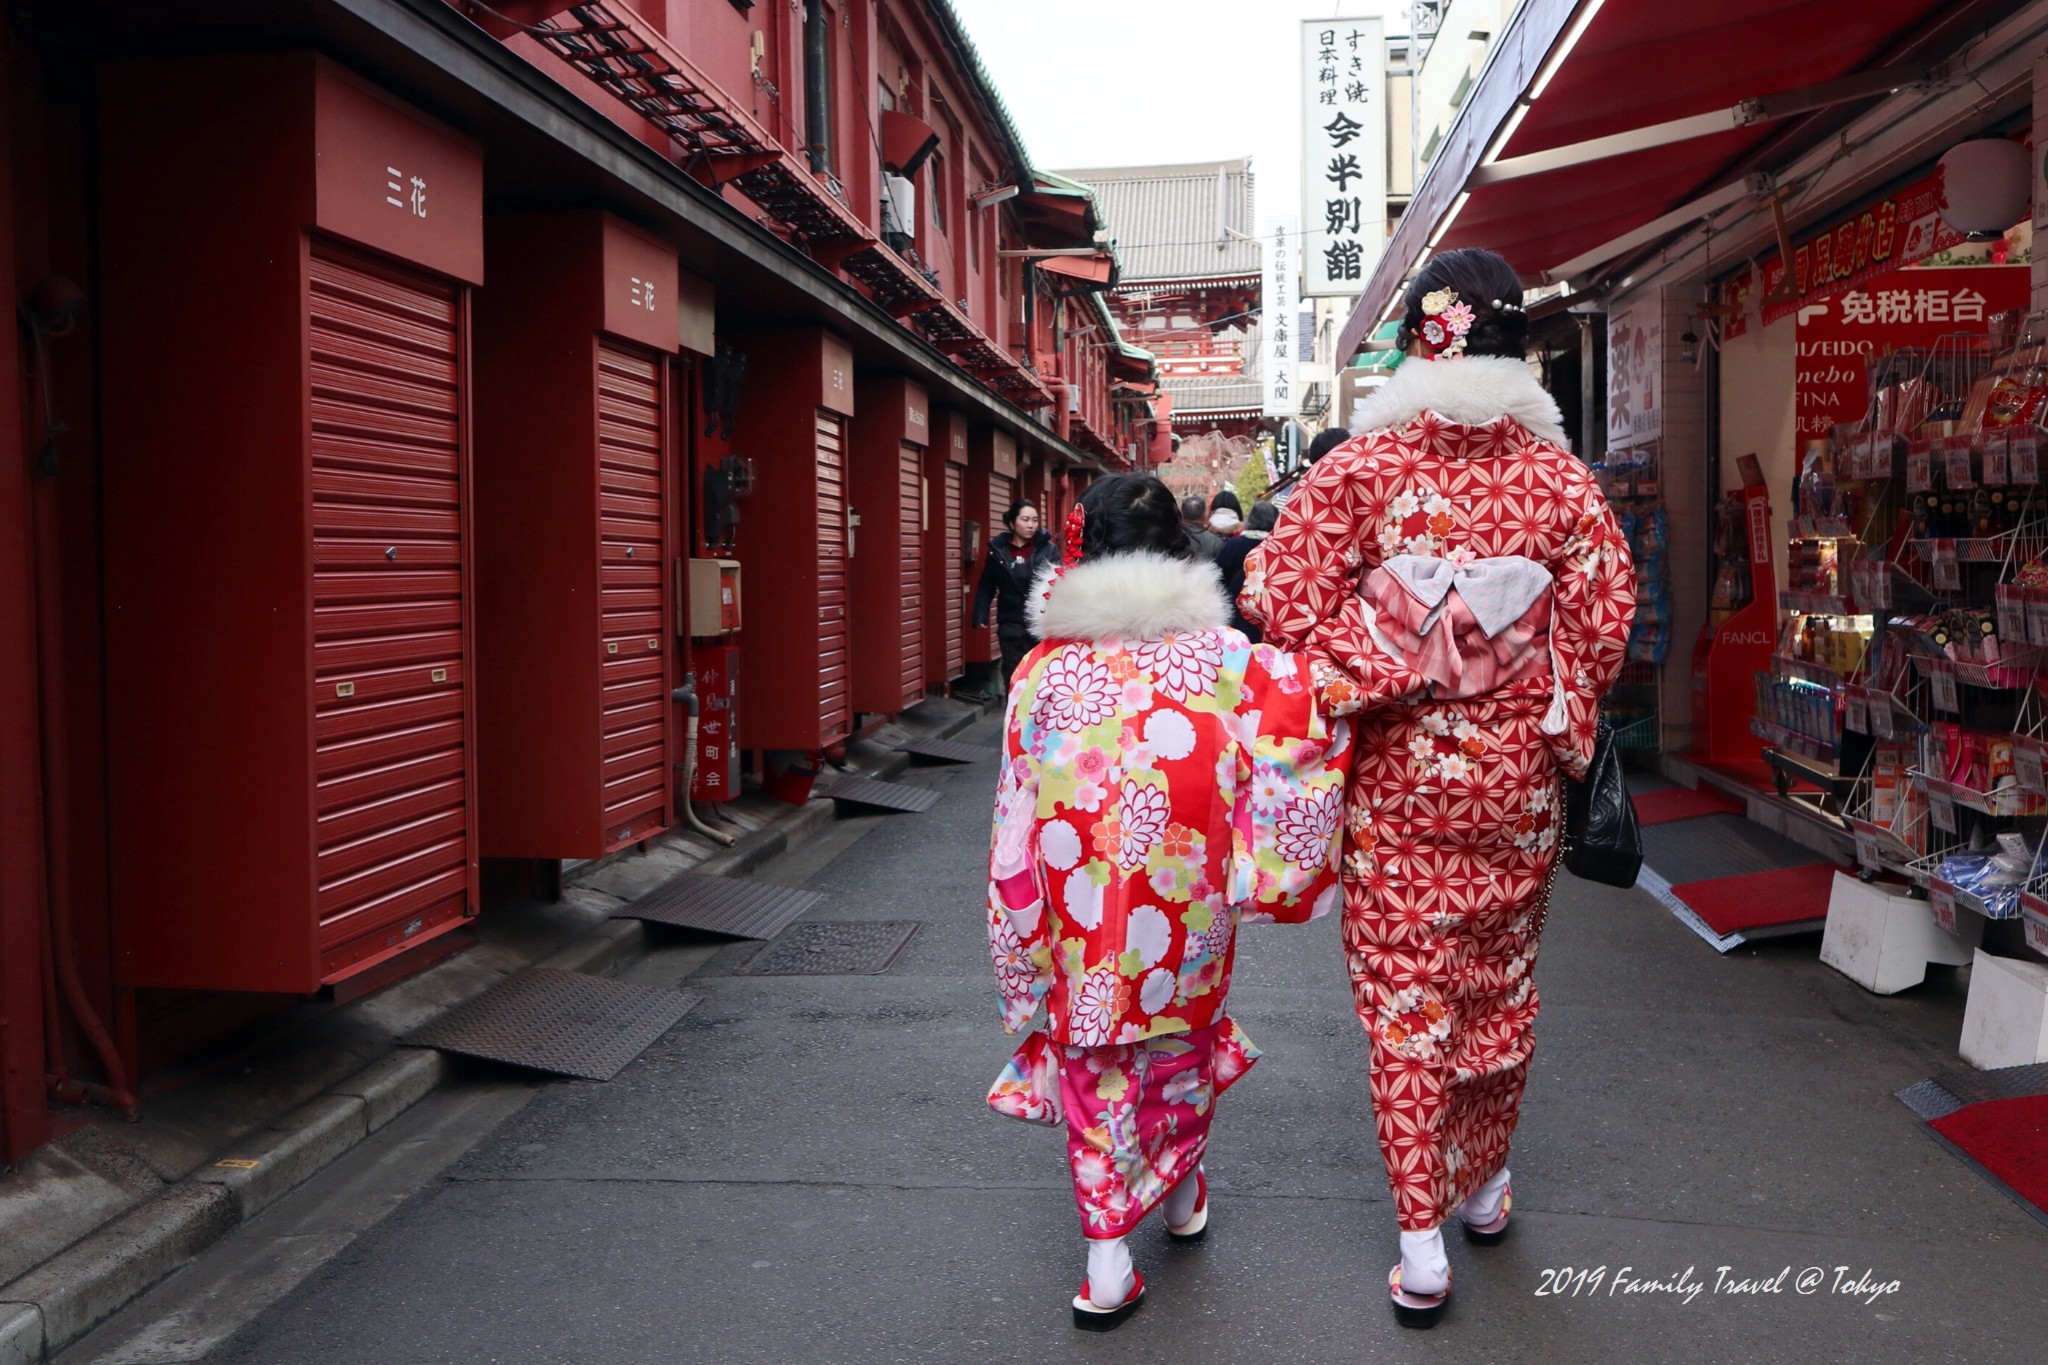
(1140, 596)
(1470, 390)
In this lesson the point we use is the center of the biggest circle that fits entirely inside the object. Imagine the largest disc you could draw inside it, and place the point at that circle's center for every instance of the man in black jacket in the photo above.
(1230, 559)
(1194, 513)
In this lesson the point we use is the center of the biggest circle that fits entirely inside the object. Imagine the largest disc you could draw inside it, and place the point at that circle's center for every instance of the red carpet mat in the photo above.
(1680, 803)
(1756, 900)
(2008, 1141)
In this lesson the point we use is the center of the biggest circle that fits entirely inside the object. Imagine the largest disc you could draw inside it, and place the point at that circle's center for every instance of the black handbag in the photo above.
(1602, 841)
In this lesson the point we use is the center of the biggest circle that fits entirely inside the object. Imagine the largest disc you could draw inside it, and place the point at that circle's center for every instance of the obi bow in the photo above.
(1469, 628)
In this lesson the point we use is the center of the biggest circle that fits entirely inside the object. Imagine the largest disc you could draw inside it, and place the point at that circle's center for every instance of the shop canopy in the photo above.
(1597, 119)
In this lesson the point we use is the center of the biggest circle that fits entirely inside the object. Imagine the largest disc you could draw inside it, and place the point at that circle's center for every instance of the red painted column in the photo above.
(24, 1120)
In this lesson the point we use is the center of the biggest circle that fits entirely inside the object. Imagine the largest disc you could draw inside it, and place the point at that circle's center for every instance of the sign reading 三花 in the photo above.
(1279, 322)
(1344, 153)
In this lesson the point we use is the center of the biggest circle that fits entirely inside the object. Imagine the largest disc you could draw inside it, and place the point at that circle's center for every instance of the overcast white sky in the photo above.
(1144, 82)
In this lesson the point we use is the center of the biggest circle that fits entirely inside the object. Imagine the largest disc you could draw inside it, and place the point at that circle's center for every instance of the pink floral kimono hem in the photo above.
(1137, 1114)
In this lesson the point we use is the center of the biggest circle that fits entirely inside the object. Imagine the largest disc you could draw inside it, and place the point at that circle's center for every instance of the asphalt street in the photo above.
(804, 1169)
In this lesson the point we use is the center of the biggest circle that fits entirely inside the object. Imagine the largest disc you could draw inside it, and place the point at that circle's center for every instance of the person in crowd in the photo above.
(1194, 517)
(1326, 440)
(1015, 557)
(1226, 517)
(1454, 583)
(1231, 561)
(1163, 778)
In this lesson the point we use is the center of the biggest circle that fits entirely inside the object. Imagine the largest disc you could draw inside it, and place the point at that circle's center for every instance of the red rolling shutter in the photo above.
(393, 835)
(835, 703)
(910, 571)
(955, 604)
(635, 601)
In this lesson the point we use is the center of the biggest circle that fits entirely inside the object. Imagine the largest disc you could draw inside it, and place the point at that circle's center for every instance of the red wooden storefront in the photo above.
(575, 504)
(796, 650)
(890, 433)
(287, 523)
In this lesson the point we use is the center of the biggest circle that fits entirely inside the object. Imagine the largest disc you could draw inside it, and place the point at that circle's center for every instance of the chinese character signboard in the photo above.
(1897, 230)
(1837, 337)
(1635, 357)
(1344, 153)
(1278, 318)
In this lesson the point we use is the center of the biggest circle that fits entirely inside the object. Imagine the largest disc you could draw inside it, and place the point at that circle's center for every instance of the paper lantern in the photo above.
(1984, 185)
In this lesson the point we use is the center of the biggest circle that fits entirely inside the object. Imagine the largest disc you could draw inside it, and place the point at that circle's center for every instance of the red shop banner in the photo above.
(1895, 231)
(1837, 337)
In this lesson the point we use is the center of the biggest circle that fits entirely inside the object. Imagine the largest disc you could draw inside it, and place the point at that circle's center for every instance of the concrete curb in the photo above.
(21, 1335)
(82, 1287)
(59, 1301)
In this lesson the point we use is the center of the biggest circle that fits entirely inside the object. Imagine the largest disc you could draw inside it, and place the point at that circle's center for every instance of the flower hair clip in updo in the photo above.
(1445, 320)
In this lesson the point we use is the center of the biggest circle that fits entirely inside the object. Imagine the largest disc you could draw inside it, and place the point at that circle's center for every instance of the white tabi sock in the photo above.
(1424, 1267)
(1179, 1204)
(1484, 1205)
(1110, 1280)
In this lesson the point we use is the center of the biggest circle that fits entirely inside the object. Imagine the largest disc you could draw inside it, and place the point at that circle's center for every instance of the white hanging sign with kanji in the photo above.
(1344, 154)
(1277, 341)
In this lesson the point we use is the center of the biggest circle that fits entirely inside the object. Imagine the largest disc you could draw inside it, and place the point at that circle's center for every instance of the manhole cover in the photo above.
(946, 750)
(857, 948)
(561, 1022)
(721, 905)
(868, 791)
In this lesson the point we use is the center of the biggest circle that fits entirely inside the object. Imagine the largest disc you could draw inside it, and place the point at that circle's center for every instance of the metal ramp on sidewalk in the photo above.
(736, 906)
(563, 1023)
(946, 751)
(889, 796)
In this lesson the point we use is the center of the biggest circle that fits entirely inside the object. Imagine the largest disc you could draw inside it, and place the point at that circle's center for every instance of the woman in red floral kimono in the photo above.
(1163, 778)
(1455, 583)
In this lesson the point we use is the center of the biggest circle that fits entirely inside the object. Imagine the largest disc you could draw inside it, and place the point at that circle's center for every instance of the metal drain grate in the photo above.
(868, 791)
(721, 905)
(947, 750)
(855, 948)
(560, 1022)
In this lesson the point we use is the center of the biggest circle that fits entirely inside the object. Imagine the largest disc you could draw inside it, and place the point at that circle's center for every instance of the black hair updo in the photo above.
(1483, 280)
(1133, 512)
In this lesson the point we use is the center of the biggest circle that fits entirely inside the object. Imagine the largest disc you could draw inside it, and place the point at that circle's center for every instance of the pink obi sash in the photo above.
(1470, 628)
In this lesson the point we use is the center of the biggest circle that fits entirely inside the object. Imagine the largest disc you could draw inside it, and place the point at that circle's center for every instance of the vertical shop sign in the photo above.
(1838, 337)
(1635, 357)
(1344, 153)
(1277, 311)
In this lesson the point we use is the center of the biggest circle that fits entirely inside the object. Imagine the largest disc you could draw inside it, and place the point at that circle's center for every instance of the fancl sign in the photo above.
(1344, 153)
(1278, 319)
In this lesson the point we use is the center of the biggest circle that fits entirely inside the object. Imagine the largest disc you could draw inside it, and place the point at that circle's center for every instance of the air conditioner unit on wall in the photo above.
(899, 211)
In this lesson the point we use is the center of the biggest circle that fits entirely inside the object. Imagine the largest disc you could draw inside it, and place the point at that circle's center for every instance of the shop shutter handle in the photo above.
(391, 552)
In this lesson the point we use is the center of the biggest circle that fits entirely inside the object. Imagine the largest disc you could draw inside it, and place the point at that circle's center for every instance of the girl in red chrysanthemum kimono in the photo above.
(1163, 779)
(1456, 585)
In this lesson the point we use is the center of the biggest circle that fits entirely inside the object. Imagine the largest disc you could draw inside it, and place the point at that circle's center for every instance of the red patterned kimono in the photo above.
(1460, 732)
